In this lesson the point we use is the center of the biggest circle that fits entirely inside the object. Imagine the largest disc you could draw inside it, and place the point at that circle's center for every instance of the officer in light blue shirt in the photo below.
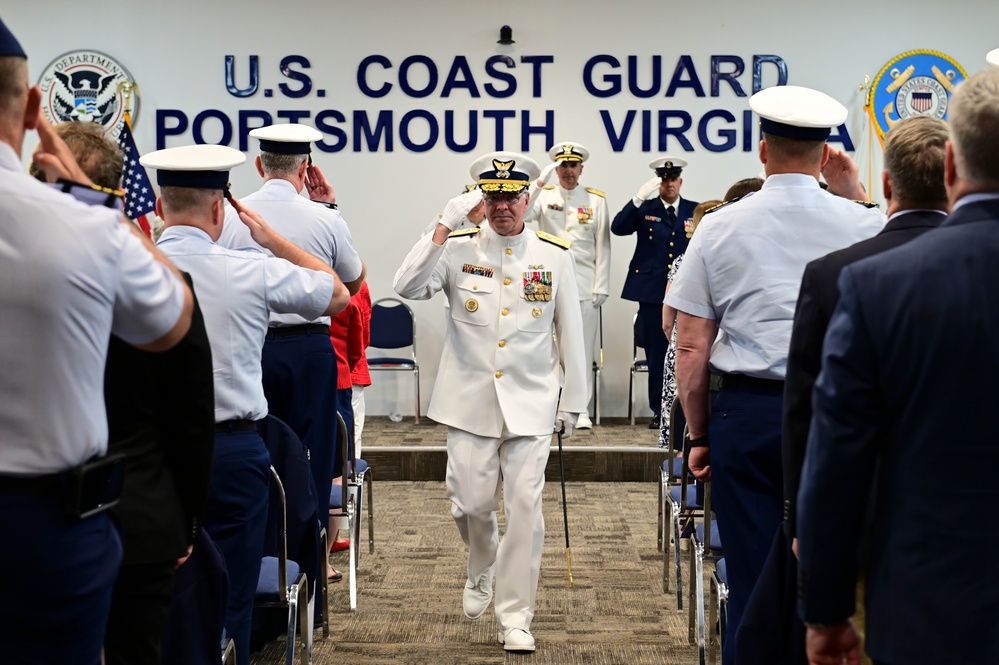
(237, 290)
(299, 363)
(736, 293)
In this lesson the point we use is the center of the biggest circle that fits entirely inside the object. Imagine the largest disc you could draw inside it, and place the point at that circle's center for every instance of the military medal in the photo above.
(584, 215)
(472, 269)
(537, 284)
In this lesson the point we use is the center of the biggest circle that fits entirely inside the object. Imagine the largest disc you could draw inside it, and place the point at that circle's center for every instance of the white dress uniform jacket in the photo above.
(70, 275)
(237, 290)
(502, 365)
(580, 216)
(743, 267)
(312, 226)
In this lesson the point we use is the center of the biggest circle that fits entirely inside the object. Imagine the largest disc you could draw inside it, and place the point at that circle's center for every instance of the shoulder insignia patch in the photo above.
(867, 204)
(555, 240)
(464, 233)
(548, 187)
(596, 191)
(722, 205)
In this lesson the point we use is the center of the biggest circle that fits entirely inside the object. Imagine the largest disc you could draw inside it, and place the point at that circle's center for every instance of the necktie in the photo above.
(671, 214)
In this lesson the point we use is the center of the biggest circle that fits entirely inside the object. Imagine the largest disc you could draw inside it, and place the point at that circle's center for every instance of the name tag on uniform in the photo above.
(584, 215)
(477, 270)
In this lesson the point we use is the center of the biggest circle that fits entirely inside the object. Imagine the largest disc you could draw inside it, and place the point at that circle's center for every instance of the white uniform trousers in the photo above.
(475, 467)
(591, 353)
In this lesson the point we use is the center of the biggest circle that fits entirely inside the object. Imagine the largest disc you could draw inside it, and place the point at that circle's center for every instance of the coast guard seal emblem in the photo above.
(83, 86)
(911, 84)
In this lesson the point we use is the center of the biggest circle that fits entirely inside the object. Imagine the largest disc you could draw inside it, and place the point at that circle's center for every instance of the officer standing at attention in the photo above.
(578, 215)
(740, 278)
(237, 291)
(70, 276)
(658, 222)
(300, 371)
(498, 386)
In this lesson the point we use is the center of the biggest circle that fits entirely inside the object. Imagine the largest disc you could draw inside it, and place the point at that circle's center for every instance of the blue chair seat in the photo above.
(407, 362)
(267, 583)
(716, 544)
(362, 466)
(722, 571)
(692, 502)
(677, 467)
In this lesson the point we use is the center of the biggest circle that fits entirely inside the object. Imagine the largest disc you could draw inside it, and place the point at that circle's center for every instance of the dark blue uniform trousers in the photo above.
(747, 489)
(58, 575)
(300, 386)
(650, 317)
(236, 519)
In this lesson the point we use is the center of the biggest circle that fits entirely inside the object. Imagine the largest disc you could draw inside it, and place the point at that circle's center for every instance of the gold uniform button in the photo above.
(650, 229)
(502, 343)
(671, 256)
(671, 244)
(475, 287)
(636, 271)
(650, 237)
(505, 312)
(673, 234)
(499, 374)
(471, 304)
(509, 251)
(506, 282)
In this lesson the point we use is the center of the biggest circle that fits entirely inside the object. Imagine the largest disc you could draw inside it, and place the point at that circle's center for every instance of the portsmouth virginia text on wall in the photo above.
(491, 124)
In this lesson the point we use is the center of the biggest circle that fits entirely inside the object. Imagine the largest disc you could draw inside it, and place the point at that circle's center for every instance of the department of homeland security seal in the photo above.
(917, 83)
(84, 86)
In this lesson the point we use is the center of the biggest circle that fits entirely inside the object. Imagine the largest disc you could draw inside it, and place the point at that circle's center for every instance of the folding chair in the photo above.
(718, 609)
(273, 589)
(706, 545)
(393, 326)
(684, 506)
(346, 500)
(193, 631)
(637, 365)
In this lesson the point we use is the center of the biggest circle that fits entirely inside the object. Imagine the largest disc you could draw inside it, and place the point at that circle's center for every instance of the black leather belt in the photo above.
(52, 485)
(236, 426)
(304, 329)
(730, 381)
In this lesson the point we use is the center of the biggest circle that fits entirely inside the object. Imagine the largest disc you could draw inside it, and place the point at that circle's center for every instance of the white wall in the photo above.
(175, 52)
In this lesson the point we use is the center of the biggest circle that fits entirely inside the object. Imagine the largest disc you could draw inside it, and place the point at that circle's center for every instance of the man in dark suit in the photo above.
(907, 381)
(655, 249)
(913, 182)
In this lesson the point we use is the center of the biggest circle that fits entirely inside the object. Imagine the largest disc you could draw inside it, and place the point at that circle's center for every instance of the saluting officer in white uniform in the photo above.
(237, 291)
(579, 215)
(514, 340)
(300, 371)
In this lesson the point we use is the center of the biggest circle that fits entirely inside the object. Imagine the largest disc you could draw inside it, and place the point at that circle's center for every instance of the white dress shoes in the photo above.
(478, 594)
(516, 639)
(584, 421)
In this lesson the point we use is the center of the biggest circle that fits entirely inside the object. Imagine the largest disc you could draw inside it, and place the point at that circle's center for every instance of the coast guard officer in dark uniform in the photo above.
(300, 374)
(736, 296)
(237, 291)
(656, 215)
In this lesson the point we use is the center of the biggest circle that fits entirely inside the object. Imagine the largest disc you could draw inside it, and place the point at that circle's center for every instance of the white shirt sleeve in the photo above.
(690, 292)
(149, 297)
(295, 290)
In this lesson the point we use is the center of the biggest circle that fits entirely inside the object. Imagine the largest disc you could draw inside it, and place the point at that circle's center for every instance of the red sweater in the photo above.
(350, 333)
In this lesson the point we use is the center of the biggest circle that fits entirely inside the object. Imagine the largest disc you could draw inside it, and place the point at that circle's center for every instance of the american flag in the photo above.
(140, 200)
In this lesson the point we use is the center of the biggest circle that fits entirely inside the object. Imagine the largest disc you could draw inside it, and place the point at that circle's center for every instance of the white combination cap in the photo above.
(568, 151)
(797, 113)
(504, 172)
(200, 166)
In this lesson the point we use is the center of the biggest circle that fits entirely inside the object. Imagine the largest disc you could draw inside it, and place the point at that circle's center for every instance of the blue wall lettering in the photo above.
(717, 75)
(230, 77)
(295, 75)
(362, 76)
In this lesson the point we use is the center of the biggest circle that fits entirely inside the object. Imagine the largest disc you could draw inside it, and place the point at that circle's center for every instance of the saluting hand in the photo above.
(843, 176)
(319, 188)
(54, 157)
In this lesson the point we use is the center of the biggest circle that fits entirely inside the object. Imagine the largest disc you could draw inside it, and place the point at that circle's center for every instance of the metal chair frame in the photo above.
(410, 365)
(637, 365)
(294, 596)
(352, 485)
(717, 614)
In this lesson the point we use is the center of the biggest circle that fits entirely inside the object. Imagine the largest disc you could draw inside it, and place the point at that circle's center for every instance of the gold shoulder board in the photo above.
(555, 240)
(464, 233)
(549, 187)
(596, 191)
(867, 204)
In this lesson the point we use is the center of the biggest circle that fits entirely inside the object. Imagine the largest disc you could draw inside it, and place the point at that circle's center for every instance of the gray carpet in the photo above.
(409, 605)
